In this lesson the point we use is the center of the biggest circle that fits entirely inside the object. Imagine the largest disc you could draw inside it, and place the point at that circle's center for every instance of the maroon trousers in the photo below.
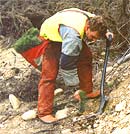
(50, 66)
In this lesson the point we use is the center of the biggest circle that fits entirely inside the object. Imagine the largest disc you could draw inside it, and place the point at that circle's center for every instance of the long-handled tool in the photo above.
(104, 99)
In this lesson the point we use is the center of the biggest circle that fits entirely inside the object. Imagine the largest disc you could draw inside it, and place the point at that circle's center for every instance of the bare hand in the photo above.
(109, 34)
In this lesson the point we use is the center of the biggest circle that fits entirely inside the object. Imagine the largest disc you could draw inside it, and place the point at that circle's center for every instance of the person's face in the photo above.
(92, 35)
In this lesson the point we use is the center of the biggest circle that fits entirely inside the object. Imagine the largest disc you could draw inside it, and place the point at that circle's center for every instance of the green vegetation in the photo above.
(28, 40)
(83, 101)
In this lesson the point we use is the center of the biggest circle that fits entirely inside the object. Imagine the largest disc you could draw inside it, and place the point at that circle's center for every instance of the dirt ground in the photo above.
(19, 78)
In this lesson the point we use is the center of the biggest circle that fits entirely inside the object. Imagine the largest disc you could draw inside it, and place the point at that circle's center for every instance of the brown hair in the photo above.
(98, 24)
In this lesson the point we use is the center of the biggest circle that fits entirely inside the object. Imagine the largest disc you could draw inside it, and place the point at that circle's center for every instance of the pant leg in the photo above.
(50, 65)
(85, 69)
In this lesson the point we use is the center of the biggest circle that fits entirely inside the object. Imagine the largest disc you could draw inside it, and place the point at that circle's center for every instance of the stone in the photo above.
(121, 106)
(31, 114)
(101, 60)
(125, 119)
(103, 53)
(121, 131)
(110, 83)
(125, 74)
(58, 91)
(1, 126)
(128, 86)
(125, 130)
(116, 73)
(109, 69)
(14, 101)
(60, 114)
(117, 131)
(66, 131)
(95, 125)
(75, 119)
(115, 65)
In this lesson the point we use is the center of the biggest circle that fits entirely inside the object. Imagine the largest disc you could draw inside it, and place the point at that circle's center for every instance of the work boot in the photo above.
(48, 119)
(91, 95)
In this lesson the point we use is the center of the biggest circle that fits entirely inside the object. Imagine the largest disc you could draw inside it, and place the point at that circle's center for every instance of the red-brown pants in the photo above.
(50, 66)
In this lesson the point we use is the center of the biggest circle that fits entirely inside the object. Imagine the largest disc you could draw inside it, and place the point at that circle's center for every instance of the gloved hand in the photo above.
(91, 95)
(77, 96)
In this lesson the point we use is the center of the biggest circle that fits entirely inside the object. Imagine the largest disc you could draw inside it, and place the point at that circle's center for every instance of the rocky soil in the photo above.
(19, 78)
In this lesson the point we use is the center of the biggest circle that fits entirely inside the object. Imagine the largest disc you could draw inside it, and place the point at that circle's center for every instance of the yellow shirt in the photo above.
(72, 17)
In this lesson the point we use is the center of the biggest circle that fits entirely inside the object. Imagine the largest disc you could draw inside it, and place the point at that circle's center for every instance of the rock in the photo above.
(1, 126)
(128, 86)
(58, 91)
(90, 131)
(66, 131)
(75, 119)
(103, 53)
(121, 131)
(62, 113)
(110, 83)
(31, 114)
(95, 125)
(117, 131)
(125, 119)
(121, 106)
(125, 74)
(109, 69)
(14, 101)
(125, 130)
(101, 60)
(9, 74)
(123, 79)
(116, 73)
(115, 65)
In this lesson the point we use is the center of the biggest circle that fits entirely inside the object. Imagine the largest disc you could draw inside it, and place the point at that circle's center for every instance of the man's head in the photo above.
(95, 28)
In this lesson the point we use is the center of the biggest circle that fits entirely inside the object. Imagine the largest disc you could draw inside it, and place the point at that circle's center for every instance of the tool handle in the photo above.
(109, 40)
(103, 100)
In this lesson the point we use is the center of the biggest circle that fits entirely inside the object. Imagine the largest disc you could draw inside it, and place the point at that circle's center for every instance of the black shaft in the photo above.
(104, 99)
